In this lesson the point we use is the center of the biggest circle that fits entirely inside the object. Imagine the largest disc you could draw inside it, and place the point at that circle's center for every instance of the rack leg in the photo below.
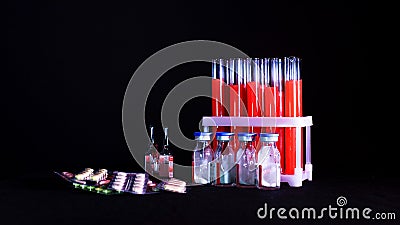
(308, 145)
(298, 147)
(308, 167)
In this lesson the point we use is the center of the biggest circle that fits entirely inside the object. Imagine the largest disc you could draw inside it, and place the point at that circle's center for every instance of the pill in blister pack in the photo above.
(85, 174)
(111, 182)
(99, 175)
(135, 183)
(173, 185)
(89, 180)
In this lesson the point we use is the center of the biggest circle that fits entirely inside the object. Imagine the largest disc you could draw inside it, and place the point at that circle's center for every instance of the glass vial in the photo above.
(246, 160)
(202, 158)
(224, 160)
(151, 157)
(268, 161)
(166, 159)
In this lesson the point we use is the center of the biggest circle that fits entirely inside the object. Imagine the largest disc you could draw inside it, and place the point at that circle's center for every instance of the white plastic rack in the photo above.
(300, 173)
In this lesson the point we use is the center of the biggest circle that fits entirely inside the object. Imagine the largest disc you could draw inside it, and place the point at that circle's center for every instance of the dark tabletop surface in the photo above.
(45, 198)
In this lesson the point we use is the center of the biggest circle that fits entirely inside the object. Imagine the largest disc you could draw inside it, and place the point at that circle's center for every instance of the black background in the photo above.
(68, 66)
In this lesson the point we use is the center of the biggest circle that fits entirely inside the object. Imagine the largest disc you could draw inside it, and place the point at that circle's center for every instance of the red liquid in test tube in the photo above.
(237, 83)
(220, 92)
(293, 108)
(253, 89)
(219, 96)
(237, 95)
(274, 100)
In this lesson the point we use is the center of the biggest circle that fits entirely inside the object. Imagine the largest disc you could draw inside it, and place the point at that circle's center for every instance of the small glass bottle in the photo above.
(246, 160)
(166, 164)
(202, 158)
(224, 160)
(268, 169)
(151, 156)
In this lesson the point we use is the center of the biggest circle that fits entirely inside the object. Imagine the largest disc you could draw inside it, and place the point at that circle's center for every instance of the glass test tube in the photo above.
(220, 93)
(275, 101)
(218, 87)
(253, 89)
(293, 108)
(237, 95)
(261, 87)
(264, 78)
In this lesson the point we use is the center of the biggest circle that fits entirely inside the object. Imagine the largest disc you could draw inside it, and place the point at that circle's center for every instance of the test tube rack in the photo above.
(300, 173)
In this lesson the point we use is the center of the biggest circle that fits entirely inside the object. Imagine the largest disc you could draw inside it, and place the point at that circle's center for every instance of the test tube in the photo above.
(293, 108)
(220, 92)
(274, 99)
(237, 95)
(253, 82)
(253, 89)
(219, 98)
(237, 83)
(262, 88)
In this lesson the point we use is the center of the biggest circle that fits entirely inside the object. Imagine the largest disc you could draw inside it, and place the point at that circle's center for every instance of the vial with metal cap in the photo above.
(224, 160)
(202, 158)
(166, 164)
(268, 162)
(151, 156)
(246, 160)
